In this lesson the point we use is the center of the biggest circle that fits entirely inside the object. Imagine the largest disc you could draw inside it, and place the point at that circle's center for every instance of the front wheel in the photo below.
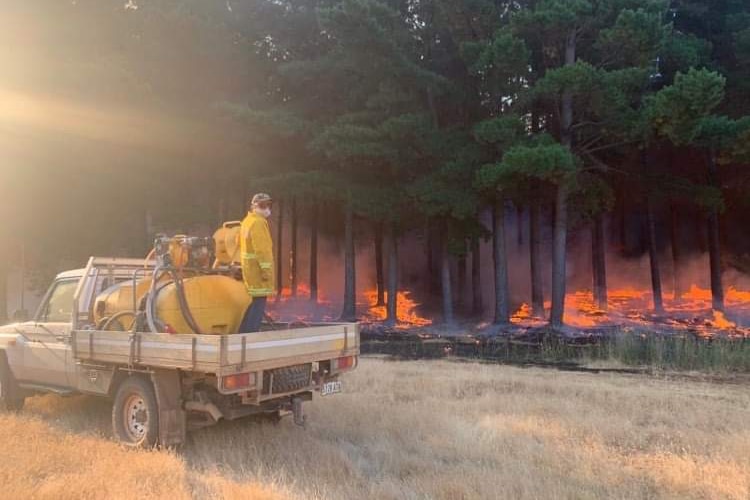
(135, 417)
(10, 394)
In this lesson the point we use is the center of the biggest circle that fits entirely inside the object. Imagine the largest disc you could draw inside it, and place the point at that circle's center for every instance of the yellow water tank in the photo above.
(227, 243)
(217, 303)
(119, 298)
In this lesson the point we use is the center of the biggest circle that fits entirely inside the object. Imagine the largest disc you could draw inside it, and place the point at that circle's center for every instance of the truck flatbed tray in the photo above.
(218, 353)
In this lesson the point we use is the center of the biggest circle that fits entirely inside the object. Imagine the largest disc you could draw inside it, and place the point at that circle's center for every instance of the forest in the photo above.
(437, 147)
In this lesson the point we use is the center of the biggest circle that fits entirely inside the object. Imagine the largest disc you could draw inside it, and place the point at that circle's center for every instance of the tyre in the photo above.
(135, 416)
(11, 398)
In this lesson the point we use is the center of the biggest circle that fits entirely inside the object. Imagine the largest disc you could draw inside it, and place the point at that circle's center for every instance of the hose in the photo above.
(150, 313)
(105, 323)
(151, 318)
(184, 307)
(148, 258)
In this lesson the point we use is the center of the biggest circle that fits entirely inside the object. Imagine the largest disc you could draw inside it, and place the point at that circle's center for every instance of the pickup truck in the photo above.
(163, 384)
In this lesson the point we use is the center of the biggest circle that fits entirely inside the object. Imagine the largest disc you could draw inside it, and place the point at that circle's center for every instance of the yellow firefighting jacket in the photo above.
(256, 250)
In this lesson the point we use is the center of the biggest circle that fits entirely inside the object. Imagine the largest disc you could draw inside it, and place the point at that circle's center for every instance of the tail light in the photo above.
(345, 363)
(238, 381)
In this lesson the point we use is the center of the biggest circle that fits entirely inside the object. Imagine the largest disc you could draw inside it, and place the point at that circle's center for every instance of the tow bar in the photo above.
(299, 416)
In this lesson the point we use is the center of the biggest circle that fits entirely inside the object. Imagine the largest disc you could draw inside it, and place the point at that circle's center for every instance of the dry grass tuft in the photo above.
(424, 429)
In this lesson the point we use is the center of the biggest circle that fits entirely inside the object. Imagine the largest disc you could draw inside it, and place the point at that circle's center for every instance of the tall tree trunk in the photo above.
(559, 256)
(535, 237)
(4, 293)
(559, 248)
(519, 225)
(314, 253)
(714, 242)
(476, 277)
(461, 286)
(392, 307)
(293, 251)
(279, 250)
(349, 312)
(433, 264)
(500, 261)
(599, 263)
(445, 280)
(653, 254)
(535, 253)
(701, 234)
(674, 234)
(653, 247)
(622, 226)
(379, 275)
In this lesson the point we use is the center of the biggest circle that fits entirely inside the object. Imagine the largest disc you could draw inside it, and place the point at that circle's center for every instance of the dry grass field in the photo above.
(420, 429)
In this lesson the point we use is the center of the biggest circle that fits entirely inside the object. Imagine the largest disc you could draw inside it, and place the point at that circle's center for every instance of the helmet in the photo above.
(260, 198)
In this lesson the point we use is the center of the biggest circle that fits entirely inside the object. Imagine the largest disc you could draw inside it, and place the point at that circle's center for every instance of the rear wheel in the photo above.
(135, 418)
(11, 398)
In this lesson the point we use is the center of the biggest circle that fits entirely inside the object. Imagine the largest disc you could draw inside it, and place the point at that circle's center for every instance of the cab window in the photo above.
(59, 304)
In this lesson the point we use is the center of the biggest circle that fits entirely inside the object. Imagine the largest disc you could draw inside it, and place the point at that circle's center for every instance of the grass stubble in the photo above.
(416, 429)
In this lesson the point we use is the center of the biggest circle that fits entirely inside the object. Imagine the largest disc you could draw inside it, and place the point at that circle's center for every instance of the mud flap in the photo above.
(172, 421)
(299, 416)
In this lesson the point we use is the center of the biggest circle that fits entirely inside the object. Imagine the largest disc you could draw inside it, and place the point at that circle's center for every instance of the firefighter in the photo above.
(256, 249)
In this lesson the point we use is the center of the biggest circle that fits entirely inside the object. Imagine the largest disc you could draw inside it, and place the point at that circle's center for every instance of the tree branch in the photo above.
(607, 146)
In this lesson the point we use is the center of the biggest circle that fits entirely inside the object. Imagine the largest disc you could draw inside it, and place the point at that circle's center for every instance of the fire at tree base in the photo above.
(689, 335)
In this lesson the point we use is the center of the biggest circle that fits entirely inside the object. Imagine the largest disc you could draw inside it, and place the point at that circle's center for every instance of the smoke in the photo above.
(414, 275)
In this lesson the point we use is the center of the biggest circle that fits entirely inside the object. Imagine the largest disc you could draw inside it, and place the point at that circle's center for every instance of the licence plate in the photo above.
(330, 388)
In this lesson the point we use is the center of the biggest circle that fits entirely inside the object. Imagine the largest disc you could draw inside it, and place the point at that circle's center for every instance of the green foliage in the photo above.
(681, 51)
(268, 123)
(580, 79)
(553, 18)
(676, 110)
(344, 141)
(594, 196)
(320, 185)
(675, 187)
(501, 64)
(717, 133)
(446, 193)
(501, 132)
(546, 162)
(634, 38)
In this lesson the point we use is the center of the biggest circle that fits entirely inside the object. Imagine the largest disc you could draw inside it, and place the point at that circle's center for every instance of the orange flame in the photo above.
(629, 306)
(720, 321)
(303, 293)
(406, 309)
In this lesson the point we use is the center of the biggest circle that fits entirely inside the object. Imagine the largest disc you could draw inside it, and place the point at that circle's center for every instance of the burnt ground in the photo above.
(688, 348)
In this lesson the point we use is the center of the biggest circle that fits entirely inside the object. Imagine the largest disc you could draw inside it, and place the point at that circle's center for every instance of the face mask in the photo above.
(265, 212)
